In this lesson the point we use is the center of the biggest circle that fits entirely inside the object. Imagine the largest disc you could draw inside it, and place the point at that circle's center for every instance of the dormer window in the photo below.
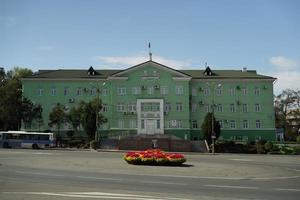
(208, 72)
(91, 71)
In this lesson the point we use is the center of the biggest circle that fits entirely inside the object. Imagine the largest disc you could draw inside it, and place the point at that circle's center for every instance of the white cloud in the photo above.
(287, 73)
(286, 80)
(283, 63)
(119, 62)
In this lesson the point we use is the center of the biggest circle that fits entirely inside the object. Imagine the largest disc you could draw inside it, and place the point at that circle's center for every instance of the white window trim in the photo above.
(179, 90)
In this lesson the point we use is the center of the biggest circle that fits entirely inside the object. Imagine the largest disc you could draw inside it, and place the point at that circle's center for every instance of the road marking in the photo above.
(231, 186)
(118, 194)
(212, 177)
(32, 153)
(288, 189)
(57, 175)
(97, 195)
(275, 178)
(89, 177)
(241, 159)
(37, 173)
(160, 182)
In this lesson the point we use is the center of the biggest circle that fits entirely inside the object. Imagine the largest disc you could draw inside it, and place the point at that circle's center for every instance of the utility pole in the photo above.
(213, 135)
(97, 112)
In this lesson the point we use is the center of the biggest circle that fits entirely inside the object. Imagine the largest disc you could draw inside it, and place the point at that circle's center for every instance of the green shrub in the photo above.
(268, 146)
(298, 139)
(297, 150)
(287, 150)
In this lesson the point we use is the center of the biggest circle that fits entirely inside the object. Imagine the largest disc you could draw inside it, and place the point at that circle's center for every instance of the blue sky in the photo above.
(229, 34)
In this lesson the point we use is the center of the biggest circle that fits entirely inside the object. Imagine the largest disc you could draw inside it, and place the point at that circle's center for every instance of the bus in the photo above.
(23, 139)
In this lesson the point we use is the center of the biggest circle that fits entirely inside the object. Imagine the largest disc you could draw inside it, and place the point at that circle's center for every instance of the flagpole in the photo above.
(150, 54)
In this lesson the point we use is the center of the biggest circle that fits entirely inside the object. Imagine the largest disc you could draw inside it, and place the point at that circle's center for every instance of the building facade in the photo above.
(151, 98)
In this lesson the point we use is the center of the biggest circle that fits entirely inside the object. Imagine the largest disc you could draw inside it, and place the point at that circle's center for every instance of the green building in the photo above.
(151, 98)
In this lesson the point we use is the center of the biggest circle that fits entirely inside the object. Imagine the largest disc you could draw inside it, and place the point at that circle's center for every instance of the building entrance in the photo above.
(150, 125)
(150, 116)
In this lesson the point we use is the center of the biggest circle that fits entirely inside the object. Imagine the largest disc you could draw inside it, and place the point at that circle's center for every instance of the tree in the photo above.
(74, 117)
(287, 104)
(85, 114)
(11, 98)
(10, 104)
(57, 117)
(30, 112)
(89, 119)
(206, 127)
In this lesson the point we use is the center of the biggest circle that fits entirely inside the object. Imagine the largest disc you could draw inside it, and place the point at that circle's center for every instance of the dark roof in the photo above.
(195, 74)
(226, 74)
(71, 73)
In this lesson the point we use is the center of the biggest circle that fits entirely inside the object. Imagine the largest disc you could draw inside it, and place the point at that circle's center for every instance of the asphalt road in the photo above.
(52, 174)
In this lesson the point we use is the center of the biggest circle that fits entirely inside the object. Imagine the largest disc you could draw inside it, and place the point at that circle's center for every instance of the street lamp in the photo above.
(97, 110)
(213, 134)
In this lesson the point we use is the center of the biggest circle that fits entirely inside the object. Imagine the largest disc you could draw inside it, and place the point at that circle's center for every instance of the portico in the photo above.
(150, 114)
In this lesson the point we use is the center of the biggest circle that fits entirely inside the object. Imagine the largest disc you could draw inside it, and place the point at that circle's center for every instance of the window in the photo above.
(245, 138)
(194, 124)
(206, 91)
(232, 91)
(104, 92)
(245, 108)
(143, 124)
(194, 91)
(164, 90)
(66, 91)
(167, 107)
(132, 107)
(258, 124)
(245, 91)
(206, 108)
(257, 107)
(245, 124)
(79, 91)
(179, 89)
(158, 124)
(132, 123)
(256, 91)
(179, 124)
(40, 92)
(150, 90)
(53, 92)
(136, 90)
(257, 137)
(219, 91)
(93, 91)
(179, 107)
(220, 107)
(232, 107)
(105, 108)
(221, 122)
(194, 107)
(120, 123)
(150, 107)
(120, 107)
(121, 91)
(232, 124)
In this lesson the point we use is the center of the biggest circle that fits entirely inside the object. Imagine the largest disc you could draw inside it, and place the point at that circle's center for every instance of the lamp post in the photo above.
(97, 110)
(213, 134)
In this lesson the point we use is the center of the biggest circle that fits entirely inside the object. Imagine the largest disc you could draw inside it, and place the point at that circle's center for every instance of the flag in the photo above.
(149, 45)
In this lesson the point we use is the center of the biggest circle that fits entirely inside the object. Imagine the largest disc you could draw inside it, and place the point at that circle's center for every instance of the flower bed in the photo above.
(154, 157)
